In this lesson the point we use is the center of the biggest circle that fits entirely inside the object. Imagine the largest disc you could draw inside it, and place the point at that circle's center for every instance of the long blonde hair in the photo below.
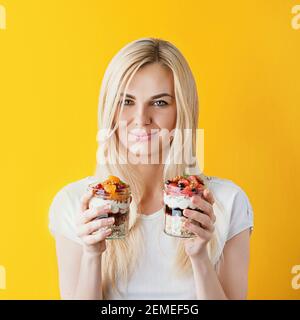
(120, 255)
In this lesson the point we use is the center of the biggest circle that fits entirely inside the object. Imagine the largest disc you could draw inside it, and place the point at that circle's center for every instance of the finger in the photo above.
(202, 233)
(93, 213)
(94, 225)
(95, 238)
(203, 205)
(209, 196)
(202, 218)
(85, 199)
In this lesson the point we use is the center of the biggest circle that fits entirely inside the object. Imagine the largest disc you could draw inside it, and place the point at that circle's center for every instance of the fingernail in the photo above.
(186, 213)
(111, 219)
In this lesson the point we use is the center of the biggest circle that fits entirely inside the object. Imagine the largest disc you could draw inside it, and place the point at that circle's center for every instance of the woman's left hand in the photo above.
(202, 224)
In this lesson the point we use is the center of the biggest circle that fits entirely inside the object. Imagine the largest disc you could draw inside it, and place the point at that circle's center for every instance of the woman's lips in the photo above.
(143, 137)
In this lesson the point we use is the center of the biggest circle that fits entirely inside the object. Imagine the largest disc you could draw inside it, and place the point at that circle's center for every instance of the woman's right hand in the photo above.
(88, 227)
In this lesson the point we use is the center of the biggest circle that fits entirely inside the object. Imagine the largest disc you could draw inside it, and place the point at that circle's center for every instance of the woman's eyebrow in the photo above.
(153, 97)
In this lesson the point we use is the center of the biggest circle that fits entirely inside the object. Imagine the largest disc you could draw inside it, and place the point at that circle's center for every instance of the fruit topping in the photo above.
(113, 180)
(110, 188)
(183, 182)
(111, 185)
(98, 186)
(186, 184)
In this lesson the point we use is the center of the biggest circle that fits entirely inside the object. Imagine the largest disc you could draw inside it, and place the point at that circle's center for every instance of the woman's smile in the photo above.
(141, 136)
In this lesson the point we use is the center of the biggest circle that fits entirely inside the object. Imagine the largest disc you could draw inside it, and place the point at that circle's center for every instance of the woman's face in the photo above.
(149, 107)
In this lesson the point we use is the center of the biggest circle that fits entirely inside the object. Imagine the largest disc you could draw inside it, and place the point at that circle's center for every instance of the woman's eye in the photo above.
(160, 103)
(126, 102)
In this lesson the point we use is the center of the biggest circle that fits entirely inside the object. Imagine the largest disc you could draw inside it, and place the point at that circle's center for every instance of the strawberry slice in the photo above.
(196, 181)
(187, 191)
(172, 184)
(183, 181)
(173, 189)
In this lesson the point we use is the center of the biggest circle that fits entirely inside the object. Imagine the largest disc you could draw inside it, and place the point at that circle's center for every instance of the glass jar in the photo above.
(120, 203)
(176, 199)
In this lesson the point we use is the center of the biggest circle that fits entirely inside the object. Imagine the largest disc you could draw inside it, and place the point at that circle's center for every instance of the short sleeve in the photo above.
(62, 213)
(241, 215)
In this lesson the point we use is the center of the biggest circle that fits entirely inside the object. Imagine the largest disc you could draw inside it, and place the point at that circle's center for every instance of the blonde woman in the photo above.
(149, 86)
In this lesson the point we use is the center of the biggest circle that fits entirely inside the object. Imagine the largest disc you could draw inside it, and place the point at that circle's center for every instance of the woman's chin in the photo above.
(141, 153)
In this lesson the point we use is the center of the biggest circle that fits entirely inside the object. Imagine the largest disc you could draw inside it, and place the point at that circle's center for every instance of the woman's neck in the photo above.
(152, 175)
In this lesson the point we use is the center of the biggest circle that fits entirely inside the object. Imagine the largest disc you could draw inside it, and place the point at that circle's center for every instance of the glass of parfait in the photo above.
(177, 197)
(117, 193)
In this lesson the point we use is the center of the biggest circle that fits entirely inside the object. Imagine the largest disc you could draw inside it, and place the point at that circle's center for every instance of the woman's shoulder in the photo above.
(64, 208)
(222, 184)
(77, 187)
(70, 194)
(230, 194)
(233, 208)
(226, 190)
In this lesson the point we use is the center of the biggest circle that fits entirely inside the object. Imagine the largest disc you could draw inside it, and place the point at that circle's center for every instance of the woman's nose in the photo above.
(142, 117)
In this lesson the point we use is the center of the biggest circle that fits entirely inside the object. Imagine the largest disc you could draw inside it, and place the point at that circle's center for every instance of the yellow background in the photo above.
(245, 57)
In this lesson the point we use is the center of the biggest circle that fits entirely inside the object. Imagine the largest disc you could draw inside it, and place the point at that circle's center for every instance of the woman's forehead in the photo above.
(150, 81)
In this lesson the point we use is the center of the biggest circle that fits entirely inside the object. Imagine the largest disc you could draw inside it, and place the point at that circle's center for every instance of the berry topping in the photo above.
(186, 184)
(111, 185)
(183, 182)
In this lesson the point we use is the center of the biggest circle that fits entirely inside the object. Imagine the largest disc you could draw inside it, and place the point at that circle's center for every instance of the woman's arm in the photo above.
(231, 282)
(79, 271)
(80, 265)
(233, 270)
(232, 278)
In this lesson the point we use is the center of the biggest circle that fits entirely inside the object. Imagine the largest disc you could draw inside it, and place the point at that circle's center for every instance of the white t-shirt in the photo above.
(153, 277)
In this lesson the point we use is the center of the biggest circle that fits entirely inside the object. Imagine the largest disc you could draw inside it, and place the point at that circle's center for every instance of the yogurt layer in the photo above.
(116, 206)
(181, 202)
